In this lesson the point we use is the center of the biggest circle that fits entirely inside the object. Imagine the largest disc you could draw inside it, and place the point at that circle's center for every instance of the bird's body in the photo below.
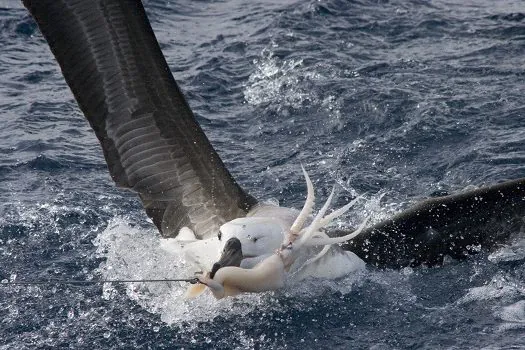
(153, 146)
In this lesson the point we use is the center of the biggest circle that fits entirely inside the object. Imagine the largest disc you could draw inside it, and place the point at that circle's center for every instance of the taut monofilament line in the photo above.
(54, 282)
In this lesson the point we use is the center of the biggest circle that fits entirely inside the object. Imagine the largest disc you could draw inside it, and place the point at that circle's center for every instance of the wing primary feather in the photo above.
(113, 64)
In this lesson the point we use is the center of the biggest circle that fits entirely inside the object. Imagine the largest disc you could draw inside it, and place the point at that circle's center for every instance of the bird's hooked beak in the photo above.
(231, 256)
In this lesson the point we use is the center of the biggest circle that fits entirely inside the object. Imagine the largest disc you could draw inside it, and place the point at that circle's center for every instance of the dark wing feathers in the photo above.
(112, 62)
(452, 225)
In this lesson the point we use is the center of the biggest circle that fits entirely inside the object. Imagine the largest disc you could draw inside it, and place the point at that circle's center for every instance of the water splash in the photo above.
(514, 252)
(282, 84)
(278, 82)
(500, 287)
(133, 253)
(513, 316)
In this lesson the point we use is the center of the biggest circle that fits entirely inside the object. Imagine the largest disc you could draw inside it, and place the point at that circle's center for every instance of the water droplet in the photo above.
(407, 271)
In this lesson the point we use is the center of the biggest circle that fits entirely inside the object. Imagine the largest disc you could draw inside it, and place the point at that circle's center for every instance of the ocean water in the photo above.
(395, 100)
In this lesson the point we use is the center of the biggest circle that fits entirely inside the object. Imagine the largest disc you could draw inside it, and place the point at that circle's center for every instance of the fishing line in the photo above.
(7, 283)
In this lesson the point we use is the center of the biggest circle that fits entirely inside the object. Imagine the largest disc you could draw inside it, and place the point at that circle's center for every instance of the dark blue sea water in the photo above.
(392, 99)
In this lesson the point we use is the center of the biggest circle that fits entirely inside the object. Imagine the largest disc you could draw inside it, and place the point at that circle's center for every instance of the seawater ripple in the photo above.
(395, 99)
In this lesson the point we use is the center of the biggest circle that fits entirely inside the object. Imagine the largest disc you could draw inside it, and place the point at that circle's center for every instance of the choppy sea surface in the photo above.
(395, 100)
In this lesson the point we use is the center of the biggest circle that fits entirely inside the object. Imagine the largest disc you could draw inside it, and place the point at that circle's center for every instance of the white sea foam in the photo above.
(508, 253)
(499, 287)
(513, 316)
(501, 294)
(276, 80)
(289, 83)
(133, 253)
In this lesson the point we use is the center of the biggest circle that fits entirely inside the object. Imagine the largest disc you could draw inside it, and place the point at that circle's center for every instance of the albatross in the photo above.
(270, 273)
(154, 146)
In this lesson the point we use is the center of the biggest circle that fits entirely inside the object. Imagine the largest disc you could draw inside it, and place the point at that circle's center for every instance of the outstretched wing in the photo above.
(112, 62)
(455, 225)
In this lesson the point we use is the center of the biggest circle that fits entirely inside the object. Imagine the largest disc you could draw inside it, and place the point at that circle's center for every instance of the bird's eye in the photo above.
(219, 235)
(255, 239)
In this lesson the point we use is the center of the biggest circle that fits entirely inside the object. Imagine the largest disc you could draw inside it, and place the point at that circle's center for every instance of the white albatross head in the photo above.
(258, 237)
